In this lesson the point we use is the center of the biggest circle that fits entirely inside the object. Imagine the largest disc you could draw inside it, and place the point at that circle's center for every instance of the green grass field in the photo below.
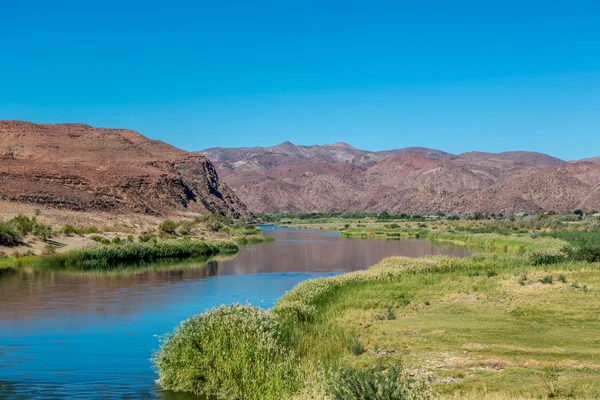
(519, 319)
(471, 334)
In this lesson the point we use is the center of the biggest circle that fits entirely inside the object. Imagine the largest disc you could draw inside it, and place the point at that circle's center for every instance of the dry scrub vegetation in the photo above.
(27, 241)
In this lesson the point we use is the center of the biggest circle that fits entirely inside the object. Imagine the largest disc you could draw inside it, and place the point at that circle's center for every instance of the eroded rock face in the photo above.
(412, 180)
(77, 167)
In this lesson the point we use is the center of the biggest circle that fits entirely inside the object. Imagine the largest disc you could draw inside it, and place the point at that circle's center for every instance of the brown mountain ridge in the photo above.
(77, 167)
(338, 177)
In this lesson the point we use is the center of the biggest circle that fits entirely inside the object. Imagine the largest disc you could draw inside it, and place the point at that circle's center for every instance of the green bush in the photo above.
(356, 347)
(9, 236)
(146, 237)
(23, 224)
(70, 230)
(20, 226)
(89, 229)
(583, 245)
(575, 285)
(242, 241)
(584, 252)
(379, 382)
(547, 257)
(42, 231)
(549, 377)
(169, 227)
(216, 223)
(252, 239)
(215, 217)
(185, 229)
(390, 314)
(215, 226)
(384, 215)
(231, 352)
(100, 239)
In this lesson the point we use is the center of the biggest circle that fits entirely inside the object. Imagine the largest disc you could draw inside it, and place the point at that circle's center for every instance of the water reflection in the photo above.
(91, 335)
(32, 292)
(299, 250)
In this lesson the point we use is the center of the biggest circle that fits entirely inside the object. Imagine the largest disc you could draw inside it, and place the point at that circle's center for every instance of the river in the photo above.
(91, 335)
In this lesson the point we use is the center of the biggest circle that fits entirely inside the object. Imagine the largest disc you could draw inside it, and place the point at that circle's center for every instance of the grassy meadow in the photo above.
(516, 320)
(468, 327)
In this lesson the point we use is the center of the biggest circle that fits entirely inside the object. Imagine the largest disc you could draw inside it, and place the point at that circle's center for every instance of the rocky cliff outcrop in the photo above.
(77, 167)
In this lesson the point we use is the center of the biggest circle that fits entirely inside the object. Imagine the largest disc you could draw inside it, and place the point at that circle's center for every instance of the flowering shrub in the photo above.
(231, 352)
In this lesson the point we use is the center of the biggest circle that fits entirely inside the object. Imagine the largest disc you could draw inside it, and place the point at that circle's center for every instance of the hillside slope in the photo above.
(77, 167)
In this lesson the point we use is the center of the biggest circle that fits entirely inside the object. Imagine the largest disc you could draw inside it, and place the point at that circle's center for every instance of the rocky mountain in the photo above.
(593, 159)
(339, 177)
(263, 158)
(77, 167)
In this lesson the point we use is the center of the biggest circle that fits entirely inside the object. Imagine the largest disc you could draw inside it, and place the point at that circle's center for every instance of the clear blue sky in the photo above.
(453, 75)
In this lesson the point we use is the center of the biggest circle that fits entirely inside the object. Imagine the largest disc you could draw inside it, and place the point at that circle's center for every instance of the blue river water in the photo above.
(92, 335)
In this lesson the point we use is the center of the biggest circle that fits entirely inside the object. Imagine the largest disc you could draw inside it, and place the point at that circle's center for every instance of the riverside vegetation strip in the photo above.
(121, 254)
(518, 320)
(204, 236)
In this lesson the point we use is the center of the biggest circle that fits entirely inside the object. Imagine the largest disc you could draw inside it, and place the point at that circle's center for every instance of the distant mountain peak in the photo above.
(288, 148)
(522, 157)
(344, 145)
(592, 159)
